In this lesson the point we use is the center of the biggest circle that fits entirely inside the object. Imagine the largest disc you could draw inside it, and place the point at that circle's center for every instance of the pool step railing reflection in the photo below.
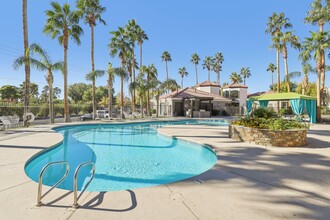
(75, 183)
(39, 196)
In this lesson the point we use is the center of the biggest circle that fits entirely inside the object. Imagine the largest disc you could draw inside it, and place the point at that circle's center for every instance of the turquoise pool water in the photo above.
(126, 156)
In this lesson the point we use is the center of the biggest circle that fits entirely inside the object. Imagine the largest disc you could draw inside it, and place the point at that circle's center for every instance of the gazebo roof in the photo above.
(281, 96)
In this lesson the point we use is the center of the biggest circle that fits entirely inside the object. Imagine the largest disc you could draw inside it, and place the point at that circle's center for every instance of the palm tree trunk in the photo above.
(209, 76)
(148, 97)
(278, 71)
(122, 97)
(27, 64)
(244, 80)
(273, 81)
(140, 71)
(51, 102)
(132, 93)
(133, 72)
(157, 103)
(182, 82)
(93, 69)
(65, 75)
(196, 74)
(318, 97)
(110, 96)
(218, 78)
(93, 97)
(287, 74)
(166, 71)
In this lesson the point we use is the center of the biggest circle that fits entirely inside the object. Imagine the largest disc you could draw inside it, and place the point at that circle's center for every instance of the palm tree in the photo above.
(27, 64)
(123, 75)
(182, 72)
(235, 78)
(131, 66)
(316, 45)
(42, 63)
(132, 29)
(307, 68)
(280, 42)
(111, 79)
(91, 76)
(245, 73)
(63, 24)
(319, 14)
(159, 90)
(195, 60)
(207, 63)
(91, 11)
(120, 46)
(166, 56)
(217, 65)
(140, 85)
(170, 84)
(272, 68)
(151, 76)
(141, 36)
(275, 24)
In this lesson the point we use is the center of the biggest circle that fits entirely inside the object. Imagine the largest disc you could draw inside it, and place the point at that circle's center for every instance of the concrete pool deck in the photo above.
(247, 182)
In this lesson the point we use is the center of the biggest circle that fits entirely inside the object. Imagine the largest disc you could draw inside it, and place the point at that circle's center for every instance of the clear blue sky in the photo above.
(235, 28)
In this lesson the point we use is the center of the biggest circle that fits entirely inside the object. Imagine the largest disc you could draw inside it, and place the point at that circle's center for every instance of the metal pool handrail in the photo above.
(39, 197)
(75, 197)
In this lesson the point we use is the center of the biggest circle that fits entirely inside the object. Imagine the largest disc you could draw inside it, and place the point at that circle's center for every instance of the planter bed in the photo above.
(265, 137)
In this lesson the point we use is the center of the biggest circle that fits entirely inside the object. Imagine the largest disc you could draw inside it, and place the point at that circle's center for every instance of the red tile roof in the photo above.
(235, 85)
(207, 83)
(188, 93)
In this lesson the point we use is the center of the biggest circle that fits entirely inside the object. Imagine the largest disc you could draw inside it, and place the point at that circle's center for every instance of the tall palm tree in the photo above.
(195, 60)
(245, 73)
(123, 75)
(111, 79)
(319, 14)
(166, 56)
(132, 29)
(207, 64)
(272, 68)
(217, 65)
(307, 69)
(43, 63)
(280, 42)
(182, 72)
(275, 24)
(91, 11)
(63, 24)
(131, 64)
(152, 74)
(26, 64)
(91, 76)
(316, 45)
(119, 45)
(235, 78)
(141, 36)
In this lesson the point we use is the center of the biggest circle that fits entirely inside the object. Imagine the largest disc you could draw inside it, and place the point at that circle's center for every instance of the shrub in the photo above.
(264, 118)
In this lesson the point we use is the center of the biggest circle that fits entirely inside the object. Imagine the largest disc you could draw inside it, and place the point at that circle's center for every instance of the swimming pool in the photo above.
(126, 156)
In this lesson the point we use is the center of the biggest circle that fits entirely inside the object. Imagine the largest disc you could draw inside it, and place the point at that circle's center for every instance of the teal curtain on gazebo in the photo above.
(263, 104)
(249, 104)
(298, 106)
(311, 110)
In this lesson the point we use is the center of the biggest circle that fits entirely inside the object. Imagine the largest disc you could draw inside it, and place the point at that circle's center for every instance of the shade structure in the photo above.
(299, 102)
